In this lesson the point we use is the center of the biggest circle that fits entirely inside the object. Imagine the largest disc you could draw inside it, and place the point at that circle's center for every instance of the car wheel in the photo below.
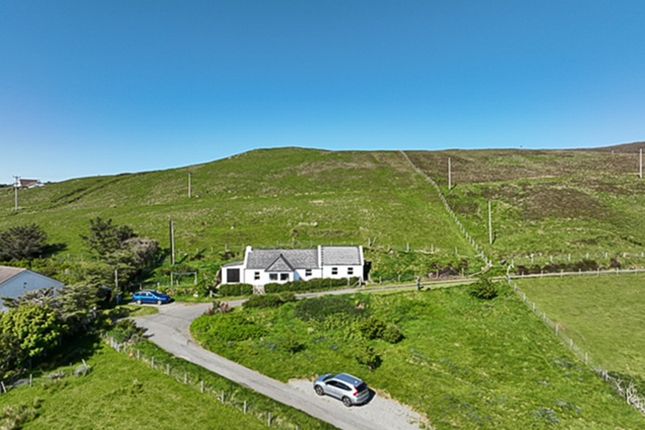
(347, 402)
(138, 302)
(158, 302)
(318, 389)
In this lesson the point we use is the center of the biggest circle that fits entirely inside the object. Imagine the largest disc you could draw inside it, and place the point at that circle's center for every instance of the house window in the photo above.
(350, 271)
(334, 270)
(308, 273)
(273, 276)
(256, 276)
(284, 276)
(232, 275)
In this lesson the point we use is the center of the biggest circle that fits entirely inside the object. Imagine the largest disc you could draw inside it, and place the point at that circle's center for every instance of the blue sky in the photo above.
(105, 87)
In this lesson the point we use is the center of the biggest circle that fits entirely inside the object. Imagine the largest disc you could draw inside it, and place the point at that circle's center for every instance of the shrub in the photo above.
(15, 417)
(231, 327)
(269, 300)
(484, 289)
(392, 334)
(23, 242)
(235, 289)
(311, 285)
(320, 308)
(126, 331)
(292, 344)
(372, 328)
(366, 356)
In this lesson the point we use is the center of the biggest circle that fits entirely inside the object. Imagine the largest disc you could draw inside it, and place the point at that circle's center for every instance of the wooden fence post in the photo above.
(201, 386)
(269, 419)
(245, 407)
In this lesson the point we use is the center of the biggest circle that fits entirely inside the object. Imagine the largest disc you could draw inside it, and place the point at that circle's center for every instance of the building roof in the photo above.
(7, 273)
(280, 265)
(288, 260)
(341, 255)
(295, 258)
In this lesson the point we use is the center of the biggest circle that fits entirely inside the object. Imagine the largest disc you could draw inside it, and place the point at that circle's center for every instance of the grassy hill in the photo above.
(287, 197)
(583, 203)
(587, 203)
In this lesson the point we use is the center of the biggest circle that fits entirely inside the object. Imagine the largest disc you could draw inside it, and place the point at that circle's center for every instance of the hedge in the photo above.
(312, 285)
(235, 289)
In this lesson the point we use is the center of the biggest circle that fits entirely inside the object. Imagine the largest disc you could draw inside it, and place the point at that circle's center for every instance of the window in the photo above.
(273, 276)
(232, 275)
(256, 276)
(284, 276)
(350, 271)
(334, 270)
(308, 272)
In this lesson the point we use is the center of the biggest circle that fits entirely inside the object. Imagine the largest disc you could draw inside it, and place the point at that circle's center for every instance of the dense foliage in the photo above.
(235, 289)
(269, 300)
(22, 243)
(311, 285)
(484, 289)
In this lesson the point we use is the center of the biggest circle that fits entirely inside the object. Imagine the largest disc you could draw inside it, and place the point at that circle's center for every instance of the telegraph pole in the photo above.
(490, 222)
(640, 164)
(449, 174)
(190, 184)
(16, 185)
(172, 242)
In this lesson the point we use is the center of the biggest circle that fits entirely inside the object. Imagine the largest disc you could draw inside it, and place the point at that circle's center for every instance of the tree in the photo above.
(34, 329)
(22, 243)
(105, 237)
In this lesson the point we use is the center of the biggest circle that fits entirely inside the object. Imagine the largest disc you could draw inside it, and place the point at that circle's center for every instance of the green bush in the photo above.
(231, 327)
(312, 285)
(269, 300)
(125, 331)
(292, 344)
(235, 289)
(484, 289)
(372, 328)
(320, 308)
(392, 334)
(367, 356)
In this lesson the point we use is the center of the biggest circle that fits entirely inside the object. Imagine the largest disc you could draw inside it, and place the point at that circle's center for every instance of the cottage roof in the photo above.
(295, 258)
(280, 265)
(341, 255)
(7, 273)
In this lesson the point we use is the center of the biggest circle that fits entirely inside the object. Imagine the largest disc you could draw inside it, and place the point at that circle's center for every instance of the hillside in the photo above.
(546, 203)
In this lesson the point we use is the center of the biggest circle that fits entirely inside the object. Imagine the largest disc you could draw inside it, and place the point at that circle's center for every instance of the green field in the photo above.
(121, 393)
(562, 204)
(267, 198)
(604, 315)
(464, 363)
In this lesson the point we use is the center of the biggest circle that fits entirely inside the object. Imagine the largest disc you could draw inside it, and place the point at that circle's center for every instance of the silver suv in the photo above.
(348, 388)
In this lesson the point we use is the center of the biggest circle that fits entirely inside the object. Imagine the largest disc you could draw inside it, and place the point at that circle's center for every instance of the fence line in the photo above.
(561, 273)
(269, 418)
(625, 389)
(469, 238)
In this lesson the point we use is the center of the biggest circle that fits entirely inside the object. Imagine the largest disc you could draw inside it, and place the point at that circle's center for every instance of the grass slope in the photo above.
(464, 363)
(602, 314)
(289, 197)
(547, 202)
(121, 393)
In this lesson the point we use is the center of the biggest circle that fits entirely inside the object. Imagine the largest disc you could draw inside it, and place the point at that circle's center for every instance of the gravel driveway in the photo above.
(170, 329)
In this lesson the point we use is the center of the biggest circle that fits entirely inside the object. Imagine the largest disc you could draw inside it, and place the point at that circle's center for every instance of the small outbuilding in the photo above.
(15, 282)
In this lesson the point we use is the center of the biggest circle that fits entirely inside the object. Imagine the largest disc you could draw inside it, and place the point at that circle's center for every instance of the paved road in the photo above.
(170, 329)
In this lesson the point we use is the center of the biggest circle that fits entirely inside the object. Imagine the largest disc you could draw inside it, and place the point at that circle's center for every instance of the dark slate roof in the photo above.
(295, 258)
(280, 265)
(341, 255)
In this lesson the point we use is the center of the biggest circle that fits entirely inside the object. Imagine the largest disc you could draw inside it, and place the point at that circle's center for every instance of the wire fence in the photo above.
(625, 389)
(580, 272)
(228, 398)
(469, 238)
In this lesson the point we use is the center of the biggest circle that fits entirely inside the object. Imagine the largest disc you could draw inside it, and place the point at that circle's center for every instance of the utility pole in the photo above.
(449, 174)
(16, 185)
(172, 242)
(490, 222)
(640, 164)
(190, 191)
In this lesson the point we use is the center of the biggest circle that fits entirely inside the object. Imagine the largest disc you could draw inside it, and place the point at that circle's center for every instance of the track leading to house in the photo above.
(170, 329)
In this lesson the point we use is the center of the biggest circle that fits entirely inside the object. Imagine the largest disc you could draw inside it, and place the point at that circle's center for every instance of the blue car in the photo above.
(151, 297)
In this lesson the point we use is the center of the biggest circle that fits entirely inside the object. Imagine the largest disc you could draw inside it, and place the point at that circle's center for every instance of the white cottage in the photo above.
(15, 282)
(264, 266)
